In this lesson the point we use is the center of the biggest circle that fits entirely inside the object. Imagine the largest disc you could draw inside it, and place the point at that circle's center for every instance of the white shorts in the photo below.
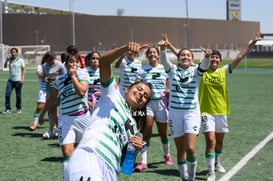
(214, 123)
(71, 128)
(158, 110)
(41, 96)
(184, 121)
(85, 164)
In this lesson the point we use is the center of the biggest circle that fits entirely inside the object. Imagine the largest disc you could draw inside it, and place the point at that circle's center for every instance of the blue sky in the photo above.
(251, 10)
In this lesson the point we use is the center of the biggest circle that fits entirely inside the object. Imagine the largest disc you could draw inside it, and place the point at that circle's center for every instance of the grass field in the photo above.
(25, 156)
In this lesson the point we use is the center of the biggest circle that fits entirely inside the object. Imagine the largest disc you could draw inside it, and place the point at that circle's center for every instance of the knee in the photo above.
(191, 151)
(210, 142)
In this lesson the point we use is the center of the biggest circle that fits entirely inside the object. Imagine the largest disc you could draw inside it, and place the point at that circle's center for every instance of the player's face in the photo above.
(131, 55)
(72, 62)
(153, 55)
(138, 95)
(214, 62)
(185, 59)
(94, 60)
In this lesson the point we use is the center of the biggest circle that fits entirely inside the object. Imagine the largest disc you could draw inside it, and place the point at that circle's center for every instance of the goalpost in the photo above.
(32, 54)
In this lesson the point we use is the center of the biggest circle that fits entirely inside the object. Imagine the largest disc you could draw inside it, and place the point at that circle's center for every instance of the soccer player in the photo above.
(51, 69)
(41, 98)
(154, 74)
(215, 106)
(92, 63)
(72, 91)
(129, 66)
(111, 126)
(184, 109)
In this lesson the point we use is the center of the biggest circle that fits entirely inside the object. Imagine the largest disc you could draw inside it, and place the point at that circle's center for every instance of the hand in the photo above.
(253, 42)
(207, 52)
(164, 41)
(135, 47)
(72, 70)
(8, 56)
(136, 141)
(257, 37)
(91, 104)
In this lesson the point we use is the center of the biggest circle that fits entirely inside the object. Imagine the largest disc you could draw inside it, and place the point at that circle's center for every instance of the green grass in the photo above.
(250, 63)
(26, 157)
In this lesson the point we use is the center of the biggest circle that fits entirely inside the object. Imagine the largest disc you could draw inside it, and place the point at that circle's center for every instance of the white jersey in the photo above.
(94, 81)
(42, 84)
(70, 101)
(110, 126)
(128, 73)
(156, 76)
(184, 85)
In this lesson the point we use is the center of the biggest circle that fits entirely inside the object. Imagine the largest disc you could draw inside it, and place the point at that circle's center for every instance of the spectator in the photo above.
(17, 71)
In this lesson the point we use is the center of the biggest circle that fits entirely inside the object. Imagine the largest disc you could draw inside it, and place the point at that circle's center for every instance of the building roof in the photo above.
(31, 9)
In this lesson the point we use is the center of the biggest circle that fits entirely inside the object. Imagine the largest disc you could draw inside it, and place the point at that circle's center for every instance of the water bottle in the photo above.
(129, 160)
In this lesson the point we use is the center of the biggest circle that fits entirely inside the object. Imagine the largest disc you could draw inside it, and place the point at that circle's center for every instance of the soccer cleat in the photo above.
(19, 111)
(56, 132)
(7, 111)
(219, 168)
(48, 135)
(32, 127)
(211, 177)
(141, 167)
(168, 160)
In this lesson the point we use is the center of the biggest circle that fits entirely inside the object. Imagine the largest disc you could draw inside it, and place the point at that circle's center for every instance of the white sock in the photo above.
(211, 164)
(166, 149)
(192, 167)
(143, 154)
(183, 171)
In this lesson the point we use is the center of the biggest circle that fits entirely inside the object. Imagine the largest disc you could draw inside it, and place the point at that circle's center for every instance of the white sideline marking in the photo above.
(246, 158)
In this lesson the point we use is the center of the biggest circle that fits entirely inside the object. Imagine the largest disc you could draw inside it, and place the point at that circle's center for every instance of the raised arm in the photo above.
(205, 61)
(244, 51)
(118, 62)
(163, 57)
(167, 43)
(111, 55)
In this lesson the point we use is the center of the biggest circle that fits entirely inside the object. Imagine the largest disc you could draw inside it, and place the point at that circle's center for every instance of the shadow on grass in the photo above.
(33, 135)
(57, 145)
(202, 173)
(52, 159)
(170, 172)
(26, 128)
(21, 127)
(153, 168)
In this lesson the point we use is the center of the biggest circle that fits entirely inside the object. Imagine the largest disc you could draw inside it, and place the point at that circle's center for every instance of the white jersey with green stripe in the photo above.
(94, 81)
(128, 73)
(184, 85)
(156, 76)
(110, 126)
(70, 101)
(42, 84)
